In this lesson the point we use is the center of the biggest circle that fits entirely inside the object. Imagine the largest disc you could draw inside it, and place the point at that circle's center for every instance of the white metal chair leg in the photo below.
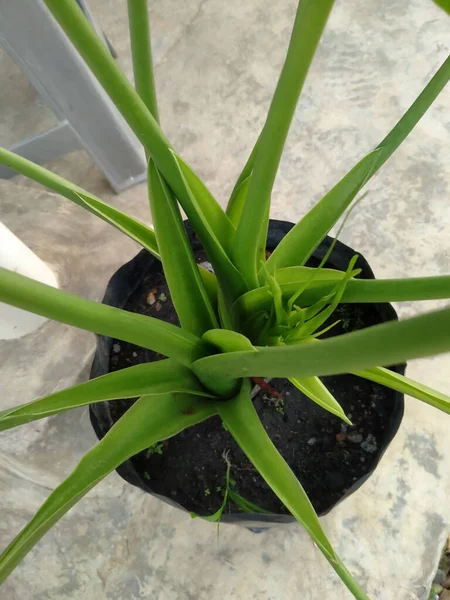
(86, 115)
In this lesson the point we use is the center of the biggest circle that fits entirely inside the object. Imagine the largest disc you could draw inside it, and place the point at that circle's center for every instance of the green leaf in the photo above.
(62, 306)
(141, 51)
(245, 174)
(227, 341)
(407, 386)
(137, 231)
(281, 316)
(318, 393)
(205, 203)
(231, 281)
(397, 290)
(296, 275)
(316, 320)
(290, 280)
(188, 293)
(226, 320)
(98, 58)
(134, 229)
(301, 241)
(210, 283)
(240, 418)
(246, 505)
(309, 23)
(444, 4)
(356, 290)
(237, 201)
(242, 421)
(380, 345)
(148, 379)
(147, 422)
(215, 518)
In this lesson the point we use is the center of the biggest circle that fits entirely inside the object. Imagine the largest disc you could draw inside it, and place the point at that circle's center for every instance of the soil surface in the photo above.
(326, 455)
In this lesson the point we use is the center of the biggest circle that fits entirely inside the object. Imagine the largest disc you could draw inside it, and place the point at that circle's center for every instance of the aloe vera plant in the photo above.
(254, 317)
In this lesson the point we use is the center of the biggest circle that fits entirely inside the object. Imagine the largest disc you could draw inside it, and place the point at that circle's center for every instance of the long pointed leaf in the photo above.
(231, 281)
(188, 293)
(357, 290)
(314, 322)
(205, 202)
(227, 341)
(133, 109)
(444, 4)
(290, 280)
(237, 201)
(320, 394)
(94, 52)
(397, 290)
(102, 64)
(141, 51)
(245, 174)
(133, 228)
(301, 274)
(407, 386)
(309, 23)
(242, 421)
(62, 306)
(380, 345)
(150, 379)
(137, 231)
(145, 423)
(301, 241)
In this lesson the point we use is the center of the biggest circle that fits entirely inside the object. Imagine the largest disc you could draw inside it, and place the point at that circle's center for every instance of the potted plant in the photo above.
(250, 314)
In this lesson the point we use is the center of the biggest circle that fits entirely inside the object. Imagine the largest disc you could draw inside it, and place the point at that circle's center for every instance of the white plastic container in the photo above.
(15, 256)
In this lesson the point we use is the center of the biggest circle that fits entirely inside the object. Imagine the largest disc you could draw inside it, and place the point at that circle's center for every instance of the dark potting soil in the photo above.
(326, 455)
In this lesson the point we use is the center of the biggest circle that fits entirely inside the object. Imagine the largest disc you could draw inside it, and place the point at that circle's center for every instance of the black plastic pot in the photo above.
(126, 280)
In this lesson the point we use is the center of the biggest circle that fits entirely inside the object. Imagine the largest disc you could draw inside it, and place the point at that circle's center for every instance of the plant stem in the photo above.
(141, 49)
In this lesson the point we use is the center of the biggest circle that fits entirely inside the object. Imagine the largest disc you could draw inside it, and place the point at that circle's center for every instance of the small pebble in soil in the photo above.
(343, 427)
(151, 299)
(341, 437)
(134, 354)
(312, 441)
(207, 265)
(162, 297)
(369, 444)
(356, 438)
(116, 348)
(158, 306)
